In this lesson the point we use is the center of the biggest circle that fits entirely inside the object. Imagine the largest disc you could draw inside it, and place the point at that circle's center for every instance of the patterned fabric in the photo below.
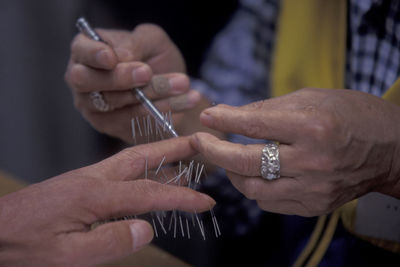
(373, 45)
(236, 72)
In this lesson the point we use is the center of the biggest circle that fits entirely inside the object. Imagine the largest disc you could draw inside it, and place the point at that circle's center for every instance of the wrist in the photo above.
(391, 186)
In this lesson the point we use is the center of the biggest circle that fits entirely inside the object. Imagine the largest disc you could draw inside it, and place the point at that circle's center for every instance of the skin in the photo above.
(49, 223)
(335, 145)
(145, 58)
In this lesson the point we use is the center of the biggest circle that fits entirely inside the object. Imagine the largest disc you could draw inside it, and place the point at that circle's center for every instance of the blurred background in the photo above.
(41, 134)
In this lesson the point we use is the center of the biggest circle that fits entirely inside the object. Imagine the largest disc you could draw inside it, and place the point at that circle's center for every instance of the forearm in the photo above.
(390, 185)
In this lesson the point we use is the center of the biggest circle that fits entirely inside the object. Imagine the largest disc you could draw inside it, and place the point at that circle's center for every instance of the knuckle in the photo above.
(321, 164)
(250, 189)
(307, 90)
(74, 43)
(321, 128)
(151, 28)
(132, 159)
(75, 77)
(78, 189)
(122, 77)
(253, 128)
(245, 162)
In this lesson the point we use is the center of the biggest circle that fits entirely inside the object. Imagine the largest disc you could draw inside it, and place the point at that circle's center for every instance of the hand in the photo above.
(335, 145)
(145, 57)
(49, 224)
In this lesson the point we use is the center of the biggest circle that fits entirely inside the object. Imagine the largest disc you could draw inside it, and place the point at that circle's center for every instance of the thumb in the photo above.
(144, 42)
(114, 240)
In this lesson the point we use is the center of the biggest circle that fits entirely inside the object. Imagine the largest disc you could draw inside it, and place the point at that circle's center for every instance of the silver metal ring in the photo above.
(98, 102)
(270, 165)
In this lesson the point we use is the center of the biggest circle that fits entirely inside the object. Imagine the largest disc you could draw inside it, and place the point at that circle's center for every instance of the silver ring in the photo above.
(270, 165)
(98, 101)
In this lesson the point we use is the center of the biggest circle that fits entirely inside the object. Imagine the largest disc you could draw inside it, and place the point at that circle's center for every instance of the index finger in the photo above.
(259, 121)
(132, 162)
(237, 158)
(117, 199)
(92, 53)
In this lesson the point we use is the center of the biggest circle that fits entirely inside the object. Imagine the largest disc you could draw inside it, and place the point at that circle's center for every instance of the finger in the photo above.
(114, 99)
(149, 43)
(261, 123)
(177, 174)
(115, 123)
(118, 122)
(124, 76)
(177, 85)
(257, 188)
(92, 53)
(118, 199)
(179, 103)
(111, 241)
(167, 175)
(238, 158)
(185, 101)
(167, 85)
(132, 162)
(139, 45)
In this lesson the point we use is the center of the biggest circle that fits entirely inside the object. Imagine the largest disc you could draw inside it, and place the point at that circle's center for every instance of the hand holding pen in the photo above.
(144, 58)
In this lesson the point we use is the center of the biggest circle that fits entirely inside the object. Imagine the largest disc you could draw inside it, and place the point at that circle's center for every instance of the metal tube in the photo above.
(85, 28)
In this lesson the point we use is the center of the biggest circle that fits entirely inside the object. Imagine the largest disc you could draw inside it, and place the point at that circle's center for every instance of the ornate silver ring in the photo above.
(98, 102)
(270, 165)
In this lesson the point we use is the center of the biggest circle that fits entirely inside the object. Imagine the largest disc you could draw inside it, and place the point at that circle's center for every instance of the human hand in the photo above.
(335, 145)
(145, 57)
(49, 224)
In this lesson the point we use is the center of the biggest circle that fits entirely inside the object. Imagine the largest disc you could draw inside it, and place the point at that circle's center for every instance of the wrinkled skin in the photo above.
(335, 145)
(144, 58)
(49, 223)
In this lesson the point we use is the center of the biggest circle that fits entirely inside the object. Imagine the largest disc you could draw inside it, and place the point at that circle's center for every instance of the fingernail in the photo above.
(103, 57)
(140, 234)
(186, 101)
(209, 199)
(141, 74)
(178, 84)
(161, 85)
(193, 97)
(206, 118)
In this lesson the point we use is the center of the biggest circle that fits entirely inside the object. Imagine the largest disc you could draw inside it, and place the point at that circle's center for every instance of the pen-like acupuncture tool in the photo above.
(85, 28)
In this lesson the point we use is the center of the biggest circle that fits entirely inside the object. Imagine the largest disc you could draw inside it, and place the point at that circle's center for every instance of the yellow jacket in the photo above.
(310, 52)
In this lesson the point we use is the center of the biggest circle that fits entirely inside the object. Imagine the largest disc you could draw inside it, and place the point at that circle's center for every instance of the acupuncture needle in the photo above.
(85, 28)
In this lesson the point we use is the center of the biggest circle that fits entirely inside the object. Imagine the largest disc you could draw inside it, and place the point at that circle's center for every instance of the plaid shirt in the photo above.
(236, 72)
